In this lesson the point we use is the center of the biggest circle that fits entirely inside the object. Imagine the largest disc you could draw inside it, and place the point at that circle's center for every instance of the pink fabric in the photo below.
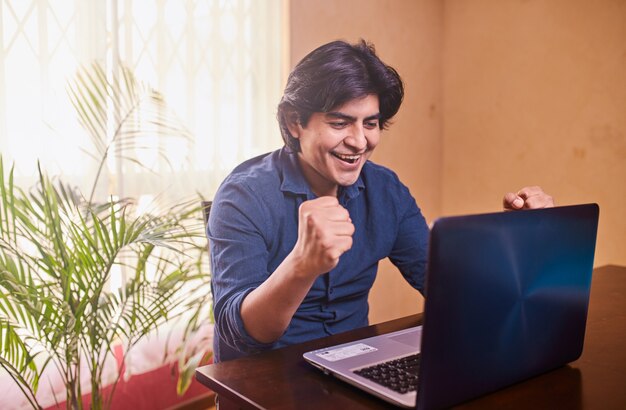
(155, 389)
(149, 376)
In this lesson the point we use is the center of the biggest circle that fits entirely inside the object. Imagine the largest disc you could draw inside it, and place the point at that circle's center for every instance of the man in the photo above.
(296, 235)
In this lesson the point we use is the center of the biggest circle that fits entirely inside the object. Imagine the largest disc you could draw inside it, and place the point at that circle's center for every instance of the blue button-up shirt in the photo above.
(253, 226)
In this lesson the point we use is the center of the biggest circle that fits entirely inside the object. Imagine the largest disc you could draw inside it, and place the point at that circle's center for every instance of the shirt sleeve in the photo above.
(239, 260)
(410, 249)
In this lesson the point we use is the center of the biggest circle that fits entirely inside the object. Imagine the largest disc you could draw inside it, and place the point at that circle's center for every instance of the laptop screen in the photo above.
(506, 299)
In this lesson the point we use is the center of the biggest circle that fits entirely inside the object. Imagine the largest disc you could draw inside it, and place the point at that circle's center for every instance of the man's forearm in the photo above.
(267, 311)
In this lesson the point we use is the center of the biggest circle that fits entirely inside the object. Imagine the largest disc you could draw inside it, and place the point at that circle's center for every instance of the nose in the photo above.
(356, 139)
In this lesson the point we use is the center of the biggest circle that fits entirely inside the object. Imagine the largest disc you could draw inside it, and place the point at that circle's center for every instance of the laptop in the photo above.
(506, 299)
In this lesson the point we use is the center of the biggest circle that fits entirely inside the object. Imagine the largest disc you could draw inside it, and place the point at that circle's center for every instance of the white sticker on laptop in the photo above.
(345, 352)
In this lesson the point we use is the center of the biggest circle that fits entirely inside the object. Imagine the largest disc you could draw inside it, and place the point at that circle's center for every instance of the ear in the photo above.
(293, 123)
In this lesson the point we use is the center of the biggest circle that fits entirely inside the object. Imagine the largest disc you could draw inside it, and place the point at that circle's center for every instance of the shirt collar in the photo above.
(294, 181)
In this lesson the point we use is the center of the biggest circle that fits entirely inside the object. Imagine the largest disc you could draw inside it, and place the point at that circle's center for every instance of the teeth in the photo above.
(348, 158)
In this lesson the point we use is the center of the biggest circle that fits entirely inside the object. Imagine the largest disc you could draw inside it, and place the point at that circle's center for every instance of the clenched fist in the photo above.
(531, 197)
(324, 234)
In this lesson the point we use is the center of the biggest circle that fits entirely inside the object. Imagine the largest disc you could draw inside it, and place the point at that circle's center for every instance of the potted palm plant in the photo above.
(59, 248)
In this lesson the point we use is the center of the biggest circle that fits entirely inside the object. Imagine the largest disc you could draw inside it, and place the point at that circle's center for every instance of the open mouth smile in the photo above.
(350, 159)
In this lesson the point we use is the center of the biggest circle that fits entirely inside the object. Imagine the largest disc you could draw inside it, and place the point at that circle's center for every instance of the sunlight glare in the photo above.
(145, 204)
(115, 279)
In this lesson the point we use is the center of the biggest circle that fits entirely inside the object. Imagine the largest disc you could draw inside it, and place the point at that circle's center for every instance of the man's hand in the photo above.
(531, 197)
(324, 234)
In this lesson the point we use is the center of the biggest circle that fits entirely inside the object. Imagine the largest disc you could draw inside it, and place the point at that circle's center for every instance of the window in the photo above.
(218, 63)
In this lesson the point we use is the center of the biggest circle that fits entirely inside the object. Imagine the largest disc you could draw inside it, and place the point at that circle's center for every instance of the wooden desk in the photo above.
(281, 379)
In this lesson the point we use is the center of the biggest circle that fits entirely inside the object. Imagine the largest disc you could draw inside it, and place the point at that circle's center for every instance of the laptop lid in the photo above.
(507, 297)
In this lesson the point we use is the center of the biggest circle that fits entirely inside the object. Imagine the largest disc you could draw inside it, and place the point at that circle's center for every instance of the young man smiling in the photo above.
(296, 235)
(334, 146)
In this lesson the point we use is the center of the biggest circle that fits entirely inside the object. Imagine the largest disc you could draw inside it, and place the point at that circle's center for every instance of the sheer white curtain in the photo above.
(218, 63)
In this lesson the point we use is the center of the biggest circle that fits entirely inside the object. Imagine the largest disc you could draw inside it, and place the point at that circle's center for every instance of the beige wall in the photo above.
(499, 94)
(535, 93)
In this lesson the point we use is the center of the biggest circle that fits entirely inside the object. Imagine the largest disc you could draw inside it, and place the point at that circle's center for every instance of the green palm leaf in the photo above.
(138, 112)
(60, 249)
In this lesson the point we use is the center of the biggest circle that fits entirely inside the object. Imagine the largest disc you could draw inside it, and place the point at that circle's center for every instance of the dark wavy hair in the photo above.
(334, 74)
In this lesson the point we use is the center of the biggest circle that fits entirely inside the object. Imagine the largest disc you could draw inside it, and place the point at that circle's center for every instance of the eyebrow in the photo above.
(346, 117)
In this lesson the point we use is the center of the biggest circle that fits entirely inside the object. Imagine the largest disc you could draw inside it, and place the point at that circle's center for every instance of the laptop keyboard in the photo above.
(399, 375)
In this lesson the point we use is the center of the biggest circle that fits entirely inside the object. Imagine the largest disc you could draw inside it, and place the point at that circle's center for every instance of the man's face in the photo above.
(335, 145)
